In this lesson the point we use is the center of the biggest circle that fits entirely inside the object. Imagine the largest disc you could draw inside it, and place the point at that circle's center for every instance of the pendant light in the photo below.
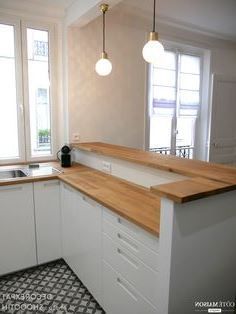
(103, 66)
(153, 49)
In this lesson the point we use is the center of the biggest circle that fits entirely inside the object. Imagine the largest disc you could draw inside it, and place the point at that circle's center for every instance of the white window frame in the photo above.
(22, 94)
(189, 50)
(19, 88)
(51, 36)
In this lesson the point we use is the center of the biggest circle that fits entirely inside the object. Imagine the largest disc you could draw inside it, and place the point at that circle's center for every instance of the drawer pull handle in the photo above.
(127, 242)
(126, 257)
(68, 188)
(126, 288)
(51, 184)
(12, 188)
(89, 200)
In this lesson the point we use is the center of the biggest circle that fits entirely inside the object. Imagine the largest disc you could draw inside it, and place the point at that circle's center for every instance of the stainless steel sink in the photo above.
(11, 174)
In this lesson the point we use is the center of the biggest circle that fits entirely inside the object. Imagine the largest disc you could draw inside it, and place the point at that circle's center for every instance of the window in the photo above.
(38, 77)
(175, 103)
(26, 128)
(9, 144)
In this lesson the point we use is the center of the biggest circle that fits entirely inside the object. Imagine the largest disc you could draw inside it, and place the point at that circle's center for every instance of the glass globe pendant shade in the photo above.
(153, 49)
(103, 66)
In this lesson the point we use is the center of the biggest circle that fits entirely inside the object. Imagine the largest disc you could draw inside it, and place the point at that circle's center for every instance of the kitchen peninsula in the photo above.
(145, 233)
(197, 232)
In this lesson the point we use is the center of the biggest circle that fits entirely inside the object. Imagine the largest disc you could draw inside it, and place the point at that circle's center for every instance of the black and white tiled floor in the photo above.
(49, 288)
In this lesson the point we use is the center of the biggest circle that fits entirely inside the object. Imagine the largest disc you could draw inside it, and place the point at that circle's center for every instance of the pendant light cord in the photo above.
(154, 16)
(104, 33)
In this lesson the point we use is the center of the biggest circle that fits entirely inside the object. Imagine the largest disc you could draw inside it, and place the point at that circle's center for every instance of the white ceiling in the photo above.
(61, 3)
(217, 16)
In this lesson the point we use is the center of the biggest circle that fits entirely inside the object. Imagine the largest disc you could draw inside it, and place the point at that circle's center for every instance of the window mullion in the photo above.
(174, 119)
(25, 90)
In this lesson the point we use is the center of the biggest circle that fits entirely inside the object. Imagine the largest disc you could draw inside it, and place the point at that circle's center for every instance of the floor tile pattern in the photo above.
(49, 288)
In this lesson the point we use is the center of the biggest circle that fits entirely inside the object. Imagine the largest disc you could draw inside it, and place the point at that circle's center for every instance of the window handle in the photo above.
(21, 107)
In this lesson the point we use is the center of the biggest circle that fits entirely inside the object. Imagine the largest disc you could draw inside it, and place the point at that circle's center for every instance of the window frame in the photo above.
(51, 49)
(178, 49)
(22, 95)
(7, 20)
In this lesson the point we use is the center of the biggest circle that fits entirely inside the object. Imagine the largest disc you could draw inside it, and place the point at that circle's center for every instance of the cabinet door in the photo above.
(48, 220)
(81, 229)
(69, 226)
(17, 228)
(89, 244)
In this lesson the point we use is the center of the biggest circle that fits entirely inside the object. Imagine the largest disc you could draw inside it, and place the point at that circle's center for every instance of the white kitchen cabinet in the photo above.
(17, 228)
(69, 226)
(119, 296)
(130, 267)
(82, 232)
(47, 220)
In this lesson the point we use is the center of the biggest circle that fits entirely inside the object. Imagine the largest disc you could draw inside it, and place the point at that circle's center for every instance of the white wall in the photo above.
(112, 109)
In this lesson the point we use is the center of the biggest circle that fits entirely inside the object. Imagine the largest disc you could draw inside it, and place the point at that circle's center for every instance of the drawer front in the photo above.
(137, 248)
(132, 269)
(119, 296)
(139, 234)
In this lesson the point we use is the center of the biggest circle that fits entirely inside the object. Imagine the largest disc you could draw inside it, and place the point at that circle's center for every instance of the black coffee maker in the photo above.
(65, 156)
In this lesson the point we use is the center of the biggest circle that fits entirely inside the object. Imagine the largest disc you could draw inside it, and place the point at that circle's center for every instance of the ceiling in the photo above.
(216, 16)
(57, 3)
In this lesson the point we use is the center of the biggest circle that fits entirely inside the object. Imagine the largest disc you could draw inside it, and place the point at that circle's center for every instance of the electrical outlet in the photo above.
(106, 166)
(75, 137)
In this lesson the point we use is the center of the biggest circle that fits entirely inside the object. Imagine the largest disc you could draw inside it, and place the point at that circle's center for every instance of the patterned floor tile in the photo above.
(49, 288)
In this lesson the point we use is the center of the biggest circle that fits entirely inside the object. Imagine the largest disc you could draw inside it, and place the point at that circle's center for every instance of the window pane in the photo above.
(189, 97)
(7, 41)
(190, 64)
(39, 99)
(9, 148)
(190, 81)
(167, 61)
(164, 93)
(160, 132)
(164, 77)
(185, 136)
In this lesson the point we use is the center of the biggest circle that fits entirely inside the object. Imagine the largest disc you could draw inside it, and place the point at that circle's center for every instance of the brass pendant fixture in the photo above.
(153, 50)
(103, 66)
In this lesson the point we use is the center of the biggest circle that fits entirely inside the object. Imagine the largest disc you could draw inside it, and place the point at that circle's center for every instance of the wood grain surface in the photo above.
(187, 167)
(133, 202)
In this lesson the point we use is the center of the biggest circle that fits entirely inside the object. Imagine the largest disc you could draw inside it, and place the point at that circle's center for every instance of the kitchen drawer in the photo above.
(134, 231)
(120, 297)
(132, 269)
(128, 242)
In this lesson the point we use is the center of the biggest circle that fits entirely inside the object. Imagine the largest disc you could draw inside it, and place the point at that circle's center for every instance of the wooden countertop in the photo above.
(29, 179)
(130, 201)
(218, 178)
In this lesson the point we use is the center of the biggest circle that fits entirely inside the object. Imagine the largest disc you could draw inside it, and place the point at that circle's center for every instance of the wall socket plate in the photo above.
(106, 166)
(76, 137)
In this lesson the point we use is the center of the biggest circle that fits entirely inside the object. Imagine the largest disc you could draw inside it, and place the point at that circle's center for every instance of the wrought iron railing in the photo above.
(180, 151)
(44, 139)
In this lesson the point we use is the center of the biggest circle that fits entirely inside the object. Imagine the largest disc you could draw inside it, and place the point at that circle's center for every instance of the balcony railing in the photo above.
(42, 140)
(180, 151)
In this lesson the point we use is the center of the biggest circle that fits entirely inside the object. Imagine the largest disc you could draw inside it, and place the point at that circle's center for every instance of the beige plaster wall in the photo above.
(112, 109)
